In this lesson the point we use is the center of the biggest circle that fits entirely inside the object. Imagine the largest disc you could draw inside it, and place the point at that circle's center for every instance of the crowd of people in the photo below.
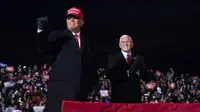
(25, 88)
(168, 87)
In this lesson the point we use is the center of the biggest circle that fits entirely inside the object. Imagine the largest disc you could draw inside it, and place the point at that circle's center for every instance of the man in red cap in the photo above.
(71, 76)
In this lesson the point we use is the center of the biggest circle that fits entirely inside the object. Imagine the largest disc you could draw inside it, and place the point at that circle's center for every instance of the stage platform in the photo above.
(70, 106)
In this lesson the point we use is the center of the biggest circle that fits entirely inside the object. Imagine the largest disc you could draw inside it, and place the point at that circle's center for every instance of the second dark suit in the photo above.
(125, 79)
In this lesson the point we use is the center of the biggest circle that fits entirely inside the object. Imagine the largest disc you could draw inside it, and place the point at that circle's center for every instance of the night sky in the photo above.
(166, 32)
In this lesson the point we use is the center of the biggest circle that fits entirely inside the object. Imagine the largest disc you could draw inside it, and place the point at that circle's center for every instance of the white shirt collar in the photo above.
(125, 54)
(77, 34)
(79, 39)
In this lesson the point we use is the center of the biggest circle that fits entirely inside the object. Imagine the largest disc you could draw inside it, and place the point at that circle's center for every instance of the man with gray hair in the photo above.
(125, 70)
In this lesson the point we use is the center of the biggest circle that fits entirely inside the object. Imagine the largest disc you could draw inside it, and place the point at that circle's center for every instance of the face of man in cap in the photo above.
(74, 19)
(74, 24)
(126, 43)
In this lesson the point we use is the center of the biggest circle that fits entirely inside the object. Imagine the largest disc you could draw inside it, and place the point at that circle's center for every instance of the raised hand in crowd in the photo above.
(170, 74)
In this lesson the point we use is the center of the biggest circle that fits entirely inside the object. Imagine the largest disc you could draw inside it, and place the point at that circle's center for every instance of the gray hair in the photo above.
(125, 36)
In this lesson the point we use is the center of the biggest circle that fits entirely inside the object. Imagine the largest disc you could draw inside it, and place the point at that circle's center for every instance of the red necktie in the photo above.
(128, 59)
(76, 39)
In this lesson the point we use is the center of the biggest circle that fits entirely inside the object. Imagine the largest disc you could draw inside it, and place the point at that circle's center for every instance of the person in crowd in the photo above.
(125, 69)
(26, 88)
(71, 75)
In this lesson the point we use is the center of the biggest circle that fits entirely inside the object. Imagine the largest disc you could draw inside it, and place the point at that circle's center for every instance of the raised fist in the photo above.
(41, 22)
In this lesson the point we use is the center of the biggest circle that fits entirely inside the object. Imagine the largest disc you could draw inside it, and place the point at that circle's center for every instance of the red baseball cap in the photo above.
(75, 11)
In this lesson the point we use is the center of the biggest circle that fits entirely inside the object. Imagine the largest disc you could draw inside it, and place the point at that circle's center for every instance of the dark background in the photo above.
(166, 32)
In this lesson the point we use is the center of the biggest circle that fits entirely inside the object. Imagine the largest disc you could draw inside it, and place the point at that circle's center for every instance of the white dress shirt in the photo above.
(125, 55)
(79, 39)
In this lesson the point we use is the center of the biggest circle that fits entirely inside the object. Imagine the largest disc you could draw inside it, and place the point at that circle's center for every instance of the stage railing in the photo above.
(69, 106)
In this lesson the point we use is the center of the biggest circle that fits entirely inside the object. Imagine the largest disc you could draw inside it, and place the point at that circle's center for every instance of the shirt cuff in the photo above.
(39, 30)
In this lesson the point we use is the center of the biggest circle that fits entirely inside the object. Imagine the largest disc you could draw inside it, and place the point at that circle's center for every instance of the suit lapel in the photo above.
(82, 38)
(68, 33)
(121, 56)
(122, 59)
(133, 58)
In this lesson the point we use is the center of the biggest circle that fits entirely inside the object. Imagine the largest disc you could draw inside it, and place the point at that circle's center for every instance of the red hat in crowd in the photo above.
(75, 12)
